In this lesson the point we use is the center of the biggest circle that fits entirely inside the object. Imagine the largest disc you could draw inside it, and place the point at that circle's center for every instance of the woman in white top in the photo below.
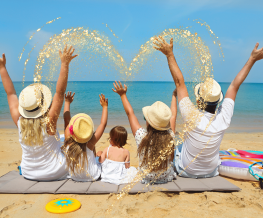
(116, 160)
(80, 141)
(36, 119)
(156, 144)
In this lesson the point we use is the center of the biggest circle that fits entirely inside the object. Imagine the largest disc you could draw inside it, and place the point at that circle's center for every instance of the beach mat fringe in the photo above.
(13, 183)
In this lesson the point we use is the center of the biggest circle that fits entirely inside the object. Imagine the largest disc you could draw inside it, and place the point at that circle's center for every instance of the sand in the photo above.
(246, 203)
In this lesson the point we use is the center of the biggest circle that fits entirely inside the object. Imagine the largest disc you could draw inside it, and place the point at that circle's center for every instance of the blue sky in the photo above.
(237, 23)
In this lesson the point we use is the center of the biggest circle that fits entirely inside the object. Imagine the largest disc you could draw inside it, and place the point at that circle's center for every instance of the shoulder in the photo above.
(185, 101)
(126, 151)
(140, 134)
(227, 104)
(140, 131)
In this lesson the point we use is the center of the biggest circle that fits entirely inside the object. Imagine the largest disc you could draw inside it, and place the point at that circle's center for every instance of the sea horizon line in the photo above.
(128, 81)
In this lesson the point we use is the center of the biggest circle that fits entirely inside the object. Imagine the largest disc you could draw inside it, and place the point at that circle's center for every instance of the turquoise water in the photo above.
(248, 116)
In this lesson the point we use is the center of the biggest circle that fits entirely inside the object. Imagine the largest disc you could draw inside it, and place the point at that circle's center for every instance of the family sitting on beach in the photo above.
(160, 159)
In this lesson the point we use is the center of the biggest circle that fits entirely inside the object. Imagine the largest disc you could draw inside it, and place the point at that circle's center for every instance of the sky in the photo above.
(236, 23)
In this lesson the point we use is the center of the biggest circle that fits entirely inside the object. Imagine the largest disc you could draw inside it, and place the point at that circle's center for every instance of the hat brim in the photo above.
(47, 99)
(197, 95)
(71, 123)
(145, 114)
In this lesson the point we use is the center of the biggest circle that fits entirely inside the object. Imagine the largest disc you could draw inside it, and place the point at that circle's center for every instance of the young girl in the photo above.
(80, 141)
(155, 142)
(116, 160)
(36, 115)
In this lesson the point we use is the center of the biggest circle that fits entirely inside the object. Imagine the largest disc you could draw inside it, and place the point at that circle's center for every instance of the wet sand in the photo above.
(246, 203)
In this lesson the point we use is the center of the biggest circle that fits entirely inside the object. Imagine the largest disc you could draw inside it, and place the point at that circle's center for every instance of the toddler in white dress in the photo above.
(115, 160)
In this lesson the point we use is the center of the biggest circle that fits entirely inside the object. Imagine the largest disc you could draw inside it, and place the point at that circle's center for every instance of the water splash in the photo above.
(212, 35)
(49, 22)
(89, 44)
(112, 32)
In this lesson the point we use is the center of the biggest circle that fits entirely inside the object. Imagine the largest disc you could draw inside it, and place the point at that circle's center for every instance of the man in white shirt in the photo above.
(198, 156)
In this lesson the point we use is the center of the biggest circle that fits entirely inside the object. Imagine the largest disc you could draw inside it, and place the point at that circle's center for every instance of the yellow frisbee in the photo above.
(63, 205)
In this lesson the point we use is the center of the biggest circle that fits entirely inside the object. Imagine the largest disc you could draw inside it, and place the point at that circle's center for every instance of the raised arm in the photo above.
(66, 114)
(174, 111)
(257, 54)
(58, 99)
(134, 123)
(103, 123)
(10, 90)
(177, 75)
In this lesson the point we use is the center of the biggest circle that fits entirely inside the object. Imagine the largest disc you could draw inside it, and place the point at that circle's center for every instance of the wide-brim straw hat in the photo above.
(210, 91)
(81, 128)
(34, 100)
(158, 115)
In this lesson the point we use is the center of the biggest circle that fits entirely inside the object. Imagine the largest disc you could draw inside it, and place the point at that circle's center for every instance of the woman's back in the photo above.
(158, 176)
(43, 162)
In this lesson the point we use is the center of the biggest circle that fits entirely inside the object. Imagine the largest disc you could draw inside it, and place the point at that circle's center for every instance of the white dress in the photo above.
(43, 162)
(91, 172)
(160, 176)
(115, 172)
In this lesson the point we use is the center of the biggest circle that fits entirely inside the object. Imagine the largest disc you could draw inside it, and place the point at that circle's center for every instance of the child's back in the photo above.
(118, 154)
(116, 160)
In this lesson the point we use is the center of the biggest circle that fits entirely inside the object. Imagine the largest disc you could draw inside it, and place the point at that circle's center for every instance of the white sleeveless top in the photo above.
(115, 172)
(43, 162)
(91, 172)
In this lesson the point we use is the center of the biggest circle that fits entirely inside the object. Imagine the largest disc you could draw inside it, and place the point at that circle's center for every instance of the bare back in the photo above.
(118, 154)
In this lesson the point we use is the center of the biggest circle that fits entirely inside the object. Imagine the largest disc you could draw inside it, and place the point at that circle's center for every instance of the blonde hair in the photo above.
(76, 155)
(32, 130)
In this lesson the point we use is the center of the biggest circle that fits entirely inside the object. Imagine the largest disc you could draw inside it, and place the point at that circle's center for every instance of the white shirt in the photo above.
(43, 162)
(91, 171)
(204, 134)
(159, 176)
(115, 172)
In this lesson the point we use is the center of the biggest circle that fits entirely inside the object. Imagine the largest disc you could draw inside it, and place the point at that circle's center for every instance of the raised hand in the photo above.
(2, 61)
(69, 97)
(103, 101)
(163, 46)
(119, 88)
(257, 54)
(66, 56)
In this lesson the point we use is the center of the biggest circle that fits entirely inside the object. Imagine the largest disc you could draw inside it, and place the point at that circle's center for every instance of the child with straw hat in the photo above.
(80, 141)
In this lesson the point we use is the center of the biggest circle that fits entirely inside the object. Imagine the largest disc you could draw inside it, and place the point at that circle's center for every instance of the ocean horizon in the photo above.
(248, 116)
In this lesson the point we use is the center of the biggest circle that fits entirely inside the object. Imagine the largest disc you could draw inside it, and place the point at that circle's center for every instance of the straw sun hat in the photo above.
(81, 128)
(158, 115)
(209, 91)
(34, 100)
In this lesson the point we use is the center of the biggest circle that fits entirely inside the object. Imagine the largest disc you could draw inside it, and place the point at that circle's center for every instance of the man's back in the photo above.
(205, 138)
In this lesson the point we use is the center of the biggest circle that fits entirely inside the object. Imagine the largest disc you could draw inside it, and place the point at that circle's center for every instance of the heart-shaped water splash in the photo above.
(189, 48)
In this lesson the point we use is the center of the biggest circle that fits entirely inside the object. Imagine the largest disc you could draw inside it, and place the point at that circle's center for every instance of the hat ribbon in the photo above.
(41, 104)
(207, 102)
(71, 127)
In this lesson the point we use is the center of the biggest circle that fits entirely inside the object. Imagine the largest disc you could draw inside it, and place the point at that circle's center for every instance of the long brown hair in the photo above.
(156, 147)
(32, 130)
(76, 155)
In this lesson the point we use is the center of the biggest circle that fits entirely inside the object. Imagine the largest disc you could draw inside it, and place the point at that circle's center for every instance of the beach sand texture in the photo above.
(246, 203)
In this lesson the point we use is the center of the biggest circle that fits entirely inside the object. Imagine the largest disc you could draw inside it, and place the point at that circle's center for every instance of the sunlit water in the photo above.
(248, 116)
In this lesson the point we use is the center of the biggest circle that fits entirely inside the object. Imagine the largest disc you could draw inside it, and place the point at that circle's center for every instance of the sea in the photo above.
(248, 112)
